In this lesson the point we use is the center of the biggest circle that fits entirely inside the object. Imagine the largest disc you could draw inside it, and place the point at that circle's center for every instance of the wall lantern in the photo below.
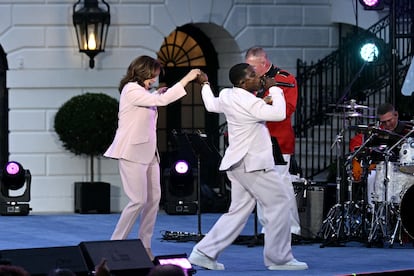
(91, 25)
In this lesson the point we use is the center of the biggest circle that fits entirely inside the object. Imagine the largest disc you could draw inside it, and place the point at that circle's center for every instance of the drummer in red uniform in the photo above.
(388, 120)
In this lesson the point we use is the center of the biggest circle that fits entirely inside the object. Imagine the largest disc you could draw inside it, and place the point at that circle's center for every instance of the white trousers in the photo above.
(286, 178)
(266, 188)
(141, 183)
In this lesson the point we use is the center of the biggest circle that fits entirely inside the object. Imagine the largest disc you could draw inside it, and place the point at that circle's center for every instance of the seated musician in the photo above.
(393, 128)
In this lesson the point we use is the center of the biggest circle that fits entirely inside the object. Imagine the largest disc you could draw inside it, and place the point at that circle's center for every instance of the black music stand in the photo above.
(198, 147)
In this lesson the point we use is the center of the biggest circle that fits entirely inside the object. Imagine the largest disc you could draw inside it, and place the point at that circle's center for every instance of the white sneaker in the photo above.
(291, 265)
(199, 259)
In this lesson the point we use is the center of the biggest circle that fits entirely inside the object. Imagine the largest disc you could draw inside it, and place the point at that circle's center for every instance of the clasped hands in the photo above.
(202, 78)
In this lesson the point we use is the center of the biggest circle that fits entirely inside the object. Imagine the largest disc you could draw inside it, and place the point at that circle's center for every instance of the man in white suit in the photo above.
(250, 167)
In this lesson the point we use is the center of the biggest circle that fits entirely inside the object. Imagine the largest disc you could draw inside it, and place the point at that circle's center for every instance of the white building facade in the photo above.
(45, 68)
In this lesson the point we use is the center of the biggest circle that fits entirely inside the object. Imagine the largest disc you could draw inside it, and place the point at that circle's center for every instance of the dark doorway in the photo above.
(181, 123)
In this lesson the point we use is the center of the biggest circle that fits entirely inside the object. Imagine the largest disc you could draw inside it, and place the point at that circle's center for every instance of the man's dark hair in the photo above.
(13, 270)
(237, 73)
(166, 270)
(385, 108)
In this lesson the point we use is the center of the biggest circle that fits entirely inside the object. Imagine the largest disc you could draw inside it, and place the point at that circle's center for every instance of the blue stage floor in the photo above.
(51, 230)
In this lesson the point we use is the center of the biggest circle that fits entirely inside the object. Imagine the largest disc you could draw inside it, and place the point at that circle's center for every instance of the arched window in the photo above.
(184, 49)
(181, 50)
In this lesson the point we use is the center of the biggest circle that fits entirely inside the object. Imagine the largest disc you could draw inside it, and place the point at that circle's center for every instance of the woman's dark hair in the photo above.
(142, 68)
(237, 73)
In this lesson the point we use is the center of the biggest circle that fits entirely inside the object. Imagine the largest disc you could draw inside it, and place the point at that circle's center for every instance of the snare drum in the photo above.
(407, 156)
(397, 185)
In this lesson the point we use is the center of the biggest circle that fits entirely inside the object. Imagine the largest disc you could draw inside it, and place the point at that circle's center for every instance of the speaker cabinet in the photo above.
(92, 197)
(313, 201)
(124, 257)
(311, 211)
(40, 261)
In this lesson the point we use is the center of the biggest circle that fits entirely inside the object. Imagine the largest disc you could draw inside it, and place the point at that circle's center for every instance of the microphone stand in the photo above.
(348, 88)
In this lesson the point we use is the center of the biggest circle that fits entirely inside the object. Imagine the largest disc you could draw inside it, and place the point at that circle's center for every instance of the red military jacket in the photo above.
(283, 130)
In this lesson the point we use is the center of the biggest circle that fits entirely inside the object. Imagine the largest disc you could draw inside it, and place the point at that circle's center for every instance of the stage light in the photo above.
(181, 179)
(372, 4)
(179, 260)
(180, 188)
(181, 167)
(369, 51)
(15, 189)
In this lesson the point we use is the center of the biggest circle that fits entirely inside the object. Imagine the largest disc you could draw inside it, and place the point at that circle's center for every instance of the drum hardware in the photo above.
(362, 147)
(387, 222)
(381, 214)
(372, 129)
(346, 219)
(382, 223)
(397, 230)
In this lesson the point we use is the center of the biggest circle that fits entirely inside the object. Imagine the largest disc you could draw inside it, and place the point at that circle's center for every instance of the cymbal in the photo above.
(351, 115)
(371, 129)
(350, 106)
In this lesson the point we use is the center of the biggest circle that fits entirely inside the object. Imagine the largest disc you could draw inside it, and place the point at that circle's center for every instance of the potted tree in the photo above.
(86, 125)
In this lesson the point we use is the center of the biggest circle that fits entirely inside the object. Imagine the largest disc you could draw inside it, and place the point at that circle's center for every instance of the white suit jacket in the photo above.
(246, 116)
(136, 138)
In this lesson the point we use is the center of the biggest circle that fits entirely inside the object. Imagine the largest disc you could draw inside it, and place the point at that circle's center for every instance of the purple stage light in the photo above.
(13, 175)
(179, 260)
(370, 3)
(13, 168)
(181, 167)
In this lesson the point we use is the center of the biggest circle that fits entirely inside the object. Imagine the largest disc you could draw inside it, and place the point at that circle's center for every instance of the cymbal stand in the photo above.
(381, 218)
(397, 229)
(344, 218)
(332, 227)
(356, 211)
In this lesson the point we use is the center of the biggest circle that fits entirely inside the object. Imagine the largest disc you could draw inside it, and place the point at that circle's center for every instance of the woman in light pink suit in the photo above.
(135, 145)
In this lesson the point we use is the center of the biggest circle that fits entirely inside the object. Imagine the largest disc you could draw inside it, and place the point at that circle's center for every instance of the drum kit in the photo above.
(379, 184)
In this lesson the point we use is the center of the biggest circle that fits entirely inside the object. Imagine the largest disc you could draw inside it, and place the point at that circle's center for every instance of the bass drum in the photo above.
(406, 211)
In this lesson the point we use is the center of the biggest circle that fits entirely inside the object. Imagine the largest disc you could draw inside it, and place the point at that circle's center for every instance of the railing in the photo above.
(342, 76)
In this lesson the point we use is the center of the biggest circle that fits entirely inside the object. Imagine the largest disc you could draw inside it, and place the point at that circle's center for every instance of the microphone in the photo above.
(260, 93)
(286, 84)
(277, 83)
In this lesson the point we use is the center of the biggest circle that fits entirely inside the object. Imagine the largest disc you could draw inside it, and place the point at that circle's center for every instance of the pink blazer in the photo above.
(135, 139)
